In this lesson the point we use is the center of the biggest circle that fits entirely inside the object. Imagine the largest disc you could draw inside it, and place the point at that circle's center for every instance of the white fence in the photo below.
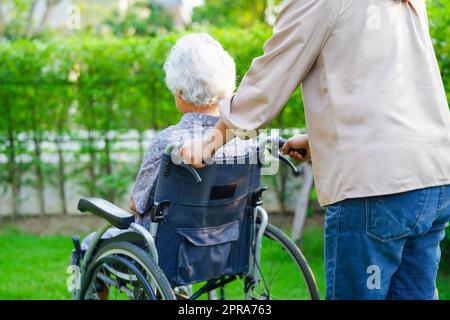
(125, 151)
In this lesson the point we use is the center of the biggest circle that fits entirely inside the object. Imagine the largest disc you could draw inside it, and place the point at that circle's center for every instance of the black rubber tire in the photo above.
(276, 234)
(139, 256)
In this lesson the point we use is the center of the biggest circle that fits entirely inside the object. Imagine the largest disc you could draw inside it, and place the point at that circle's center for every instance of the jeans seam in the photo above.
(340, 218)
(335, 253)
(440, 201)
(422, 211)
(407, 245)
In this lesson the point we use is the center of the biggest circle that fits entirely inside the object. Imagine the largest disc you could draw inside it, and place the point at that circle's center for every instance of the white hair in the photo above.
(200, 70)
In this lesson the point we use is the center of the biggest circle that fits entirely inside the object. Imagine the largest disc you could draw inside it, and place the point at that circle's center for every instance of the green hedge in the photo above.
(83, 88)
(116, 83)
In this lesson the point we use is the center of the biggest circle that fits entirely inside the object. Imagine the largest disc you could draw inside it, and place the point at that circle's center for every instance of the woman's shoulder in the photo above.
(165, 137)
(188, 127)
(173, 133)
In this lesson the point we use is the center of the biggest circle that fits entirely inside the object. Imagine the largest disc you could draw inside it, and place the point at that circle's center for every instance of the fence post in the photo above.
(37, 140)
(14, 173)
(301, 209)
(61, 171)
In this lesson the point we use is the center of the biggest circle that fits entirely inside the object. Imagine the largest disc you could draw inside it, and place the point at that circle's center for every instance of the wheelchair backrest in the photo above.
(206, 230)
(222, 183)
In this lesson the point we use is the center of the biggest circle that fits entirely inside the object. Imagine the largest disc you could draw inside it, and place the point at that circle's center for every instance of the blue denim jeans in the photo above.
(386, 247)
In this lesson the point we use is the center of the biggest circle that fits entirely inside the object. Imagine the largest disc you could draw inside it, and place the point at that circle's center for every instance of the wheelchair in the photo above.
(209, 239)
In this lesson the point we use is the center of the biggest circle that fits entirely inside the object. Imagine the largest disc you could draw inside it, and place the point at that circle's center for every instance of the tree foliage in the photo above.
(144, 17)
(18, 18)
(89, 90)
(120, 80)
(231, 12)
(439, 17)
(235, 13)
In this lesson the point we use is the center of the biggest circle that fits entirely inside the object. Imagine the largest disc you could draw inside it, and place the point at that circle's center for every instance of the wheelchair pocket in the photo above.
(204, 253)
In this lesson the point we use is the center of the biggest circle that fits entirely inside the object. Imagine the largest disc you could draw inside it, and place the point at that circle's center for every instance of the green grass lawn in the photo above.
(33, 267)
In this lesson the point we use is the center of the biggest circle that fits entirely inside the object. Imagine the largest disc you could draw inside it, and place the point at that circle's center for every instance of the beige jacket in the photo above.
(377, 116)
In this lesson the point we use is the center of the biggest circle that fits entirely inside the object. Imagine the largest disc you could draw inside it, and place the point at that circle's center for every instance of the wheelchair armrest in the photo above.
(118, 217)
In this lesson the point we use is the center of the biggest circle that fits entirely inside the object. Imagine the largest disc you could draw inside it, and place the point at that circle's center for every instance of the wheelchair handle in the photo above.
(170, 148)
(282, 142)
(193, 172)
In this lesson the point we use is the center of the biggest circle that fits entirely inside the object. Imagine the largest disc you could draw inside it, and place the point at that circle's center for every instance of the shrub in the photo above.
(84, 88)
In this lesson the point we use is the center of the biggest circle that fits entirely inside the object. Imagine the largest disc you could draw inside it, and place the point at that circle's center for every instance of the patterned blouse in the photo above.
(191, 125)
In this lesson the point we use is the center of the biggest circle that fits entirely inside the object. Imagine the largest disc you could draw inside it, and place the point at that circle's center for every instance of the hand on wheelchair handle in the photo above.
(302, 153)
(195, 153)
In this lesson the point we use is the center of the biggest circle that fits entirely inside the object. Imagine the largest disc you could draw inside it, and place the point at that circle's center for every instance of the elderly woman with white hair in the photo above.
(199, 73)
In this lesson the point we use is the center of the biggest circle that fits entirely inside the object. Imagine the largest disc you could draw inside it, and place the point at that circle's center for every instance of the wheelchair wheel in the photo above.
(283, 271)
(278, 252)
(123, 271)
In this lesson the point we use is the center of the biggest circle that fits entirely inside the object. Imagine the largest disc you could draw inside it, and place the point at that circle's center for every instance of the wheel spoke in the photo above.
(281, 267)
(124, 275)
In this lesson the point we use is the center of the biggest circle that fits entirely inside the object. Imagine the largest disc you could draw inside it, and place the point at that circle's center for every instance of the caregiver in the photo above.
(378, 136)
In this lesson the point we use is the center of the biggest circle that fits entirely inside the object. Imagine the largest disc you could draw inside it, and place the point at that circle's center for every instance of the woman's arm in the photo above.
(133, 205)
(146, 177)
(300, 32)
(197, 150)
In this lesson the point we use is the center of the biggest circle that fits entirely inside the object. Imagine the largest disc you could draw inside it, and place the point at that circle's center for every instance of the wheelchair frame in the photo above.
(259, 214)
(254, 257)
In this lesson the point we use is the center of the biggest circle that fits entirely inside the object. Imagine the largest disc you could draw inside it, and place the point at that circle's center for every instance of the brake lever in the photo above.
(295, 170)
(194, 172)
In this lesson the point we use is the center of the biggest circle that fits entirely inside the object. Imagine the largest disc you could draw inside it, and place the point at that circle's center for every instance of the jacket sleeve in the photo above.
(300, 32)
